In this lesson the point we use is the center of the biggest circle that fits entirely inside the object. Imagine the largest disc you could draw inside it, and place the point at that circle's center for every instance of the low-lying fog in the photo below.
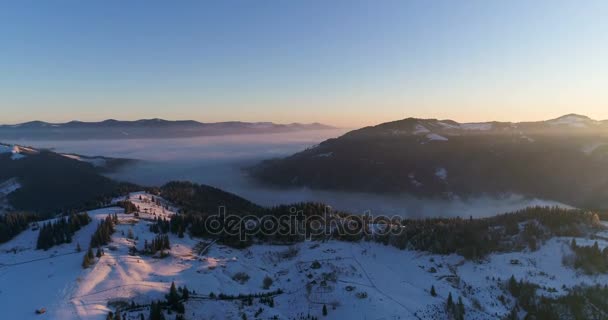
(217, 161)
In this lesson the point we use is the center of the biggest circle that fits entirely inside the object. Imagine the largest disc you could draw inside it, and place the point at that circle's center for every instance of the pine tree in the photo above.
(324, 310)
(513, 287)
(185, 294)
(173, 297)
(156, 311)
(460, 309)
(450, 301)
(78, 248)
(89, 258)
(433, 293)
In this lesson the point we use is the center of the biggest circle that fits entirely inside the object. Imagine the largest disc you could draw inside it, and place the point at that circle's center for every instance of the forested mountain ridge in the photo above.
(46, 182)
(564, 159)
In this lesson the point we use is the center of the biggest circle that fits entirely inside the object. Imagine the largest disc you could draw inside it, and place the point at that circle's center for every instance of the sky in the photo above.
(347, 63)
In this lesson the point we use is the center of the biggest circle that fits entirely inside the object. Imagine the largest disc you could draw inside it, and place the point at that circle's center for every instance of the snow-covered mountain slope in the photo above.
(354, 280)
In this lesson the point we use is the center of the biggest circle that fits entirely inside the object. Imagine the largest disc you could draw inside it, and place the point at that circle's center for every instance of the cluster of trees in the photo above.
(581, 303)
(471, 238)
(61, 231)
(176, 297)
(89, 259)
(103, 235)
(114, 316)
(269, 301)
(291, 224)
(159, 243)
(524, 292)
(195, 198)
(160, 225)
(11, 224)
(156, 311)
(590, 258)
(475, 238)
(223, 296)
(174, 302)
(129, 206)
(455, 310)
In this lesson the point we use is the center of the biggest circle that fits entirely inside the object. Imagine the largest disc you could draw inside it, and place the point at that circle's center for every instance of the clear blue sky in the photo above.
(348, 63)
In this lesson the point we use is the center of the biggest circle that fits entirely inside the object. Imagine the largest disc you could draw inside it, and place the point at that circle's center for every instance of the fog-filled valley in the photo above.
(219, 161)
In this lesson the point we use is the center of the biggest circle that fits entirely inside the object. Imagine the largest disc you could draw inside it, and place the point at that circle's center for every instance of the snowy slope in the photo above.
(360, 280)
(17, 152)
(95, 161)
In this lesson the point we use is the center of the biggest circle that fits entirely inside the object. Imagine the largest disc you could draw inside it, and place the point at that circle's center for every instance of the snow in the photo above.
(481, 126)
(9, 186)
(398, 132)
(441, 173)
(14, 150)
(447, 125)
(420, 129)
(524, 137)
(574, 121)
(95, 161)
(412, 177)
(363, 280)
(590, 148)
(325, 155)
(436, 137)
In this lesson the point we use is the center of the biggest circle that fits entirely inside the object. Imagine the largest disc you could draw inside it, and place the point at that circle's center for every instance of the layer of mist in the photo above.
(218, 161)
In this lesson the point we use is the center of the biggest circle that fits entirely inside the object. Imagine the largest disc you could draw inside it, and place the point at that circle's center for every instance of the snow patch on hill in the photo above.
(441, 173)
(14, 150)
(436, 137)
(590, 148)
(9, 186)
(420, 129)
(95, 161)
(324, 155)
(575, 121)
(482, 126)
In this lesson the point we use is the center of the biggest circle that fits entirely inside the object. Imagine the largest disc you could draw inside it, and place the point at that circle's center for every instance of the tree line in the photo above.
(13, 223)
(61, 231)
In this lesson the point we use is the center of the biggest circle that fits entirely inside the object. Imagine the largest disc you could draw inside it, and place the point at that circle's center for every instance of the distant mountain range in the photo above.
(143, 129)
(563, 159)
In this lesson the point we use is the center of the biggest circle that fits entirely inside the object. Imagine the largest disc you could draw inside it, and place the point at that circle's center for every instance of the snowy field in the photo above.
(354, 280)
